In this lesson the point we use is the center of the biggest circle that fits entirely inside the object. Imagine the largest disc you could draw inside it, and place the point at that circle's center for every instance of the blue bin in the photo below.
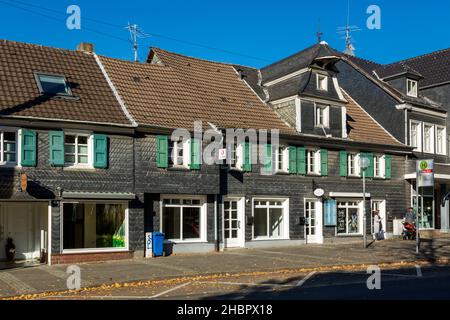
(158, 244)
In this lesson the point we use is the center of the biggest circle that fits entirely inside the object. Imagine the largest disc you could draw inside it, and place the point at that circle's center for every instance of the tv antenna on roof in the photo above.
(319, 33)
(346, 31)
(135, 33)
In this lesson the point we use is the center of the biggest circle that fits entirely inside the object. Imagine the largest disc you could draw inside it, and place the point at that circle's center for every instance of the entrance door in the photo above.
(20, 229)
(379, 205)
(233, 215)
(313, 221)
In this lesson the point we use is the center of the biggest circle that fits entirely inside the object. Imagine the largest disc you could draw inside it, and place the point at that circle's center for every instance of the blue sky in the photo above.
(259, 32)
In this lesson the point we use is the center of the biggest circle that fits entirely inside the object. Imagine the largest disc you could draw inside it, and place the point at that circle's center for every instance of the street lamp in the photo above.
(364, 164)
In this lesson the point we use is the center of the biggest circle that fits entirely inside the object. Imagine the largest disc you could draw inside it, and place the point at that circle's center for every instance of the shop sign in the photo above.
(148, 244)
(425, 173)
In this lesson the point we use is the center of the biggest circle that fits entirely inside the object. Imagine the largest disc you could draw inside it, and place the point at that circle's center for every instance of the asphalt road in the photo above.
(431, 283)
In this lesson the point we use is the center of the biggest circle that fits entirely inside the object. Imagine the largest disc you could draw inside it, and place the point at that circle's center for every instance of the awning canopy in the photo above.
(98, 195)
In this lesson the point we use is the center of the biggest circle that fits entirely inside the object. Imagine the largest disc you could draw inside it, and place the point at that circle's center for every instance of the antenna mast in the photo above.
(135, 33)
(346, 31)
(319, 33)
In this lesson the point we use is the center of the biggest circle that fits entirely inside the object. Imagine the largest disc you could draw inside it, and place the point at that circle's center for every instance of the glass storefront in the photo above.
(426, 202)
(348, 218)
(268, 219)
(182, 219)
(94, 226)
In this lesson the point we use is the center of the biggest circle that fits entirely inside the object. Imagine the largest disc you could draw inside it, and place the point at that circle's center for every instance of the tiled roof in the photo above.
(361, 127)
(434, 67)
(182, 90)
(20, 96)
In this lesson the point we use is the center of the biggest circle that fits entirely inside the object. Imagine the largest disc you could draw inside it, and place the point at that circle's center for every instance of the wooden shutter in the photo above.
(388, 166)
(292, 159)
(162, 151)
(324, 162)
(195, 154)
(247, 164)
(100, 151)
(370, 168)
(28, 148)
(56, 146)
(343, 162)
(301, 160)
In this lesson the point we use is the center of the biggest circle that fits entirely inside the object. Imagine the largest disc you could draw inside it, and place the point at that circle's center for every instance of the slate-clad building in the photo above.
(90, 161)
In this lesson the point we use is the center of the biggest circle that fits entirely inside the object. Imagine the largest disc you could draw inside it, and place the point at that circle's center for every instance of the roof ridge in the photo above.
(363, 59)
(40, 46)
(419, 56)
(140, 64)
(288, 57)
(198, 59)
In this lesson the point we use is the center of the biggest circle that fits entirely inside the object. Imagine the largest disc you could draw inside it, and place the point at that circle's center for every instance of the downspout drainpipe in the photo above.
(216, 224)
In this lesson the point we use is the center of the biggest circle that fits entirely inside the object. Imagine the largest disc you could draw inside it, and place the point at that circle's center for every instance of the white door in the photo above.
(233, 224)
(313, 221)
(20, 229)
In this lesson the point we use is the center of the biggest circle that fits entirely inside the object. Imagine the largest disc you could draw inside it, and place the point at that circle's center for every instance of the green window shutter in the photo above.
(301, 160)
(56, 145)
(100, 151)
(28, 148)
(267, 166)
(292, 159)
(195, 154)
(162, 151)
(388, 166)
(247, 166)
(324, 162)
(343, 161)
(369, 170)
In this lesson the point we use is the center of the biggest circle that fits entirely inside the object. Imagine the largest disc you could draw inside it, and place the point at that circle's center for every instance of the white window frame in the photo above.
(94, 250)
(380, 165)
(284, 153)
(203, 216)
(90, 140)
(316, 159)
(360, 216)
(444, 140)
(412, 88)
(285, 224)
(432, 137)
(322, 82)
(325, 115)
(418, 147)
(356, 166)
(186, 153)
(18, 134)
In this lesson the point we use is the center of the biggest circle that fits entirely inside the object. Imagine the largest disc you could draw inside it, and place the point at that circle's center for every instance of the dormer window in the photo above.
(322, 118)
(54, 85)
(322, 82)
(411, 88)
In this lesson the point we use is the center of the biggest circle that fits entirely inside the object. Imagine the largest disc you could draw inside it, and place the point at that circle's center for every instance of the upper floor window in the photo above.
(378, 166)
(411, 88)
(236, 155)
(322, 82)
(441, 140)
(53, 85)
(428, 138)
(353, 164)
(77, 149)
(282, 159)
(179, 153)
(313, 161)
(416, 135)
(8, 147)
(322, 115)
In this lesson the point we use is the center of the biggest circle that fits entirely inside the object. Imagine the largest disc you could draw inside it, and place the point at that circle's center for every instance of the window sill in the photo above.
(313, 174)
(282, 173)
(78, 168)
(178, 168)
(10, 166)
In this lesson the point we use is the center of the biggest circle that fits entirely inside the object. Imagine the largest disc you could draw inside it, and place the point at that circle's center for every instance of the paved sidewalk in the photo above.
(44, 279)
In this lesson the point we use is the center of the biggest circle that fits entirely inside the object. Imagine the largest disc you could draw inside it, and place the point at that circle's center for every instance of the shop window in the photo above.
(94, 226)
(349, 218)
(270, 217)
(184, 219)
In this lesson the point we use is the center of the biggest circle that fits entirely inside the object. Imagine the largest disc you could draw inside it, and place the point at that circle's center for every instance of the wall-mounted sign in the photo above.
(23, 182)
(222, 154)
(425, 173)
(341, 221)
(319, 192)
(330, 212)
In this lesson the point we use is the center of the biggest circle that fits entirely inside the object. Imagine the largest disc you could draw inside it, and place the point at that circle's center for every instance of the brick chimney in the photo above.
(85, 47)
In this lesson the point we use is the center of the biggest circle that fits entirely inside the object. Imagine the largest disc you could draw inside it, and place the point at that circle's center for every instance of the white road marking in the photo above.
(418, 270)
(247, 284)
(309, 275)
(15, 283)
(170, 290)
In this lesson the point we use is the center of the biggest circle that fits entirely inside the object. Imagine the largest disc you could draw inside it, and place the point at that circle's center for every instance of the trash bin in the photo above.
(158, 244)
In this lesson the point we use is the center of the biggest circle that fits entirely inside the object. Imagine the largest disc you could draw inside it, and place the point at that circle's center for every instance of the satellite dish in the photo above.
(319, 192)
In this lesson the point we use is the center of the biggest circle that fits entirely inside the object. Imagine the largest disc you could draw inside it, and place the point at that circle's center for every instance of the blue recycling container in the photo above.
(158, 244)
